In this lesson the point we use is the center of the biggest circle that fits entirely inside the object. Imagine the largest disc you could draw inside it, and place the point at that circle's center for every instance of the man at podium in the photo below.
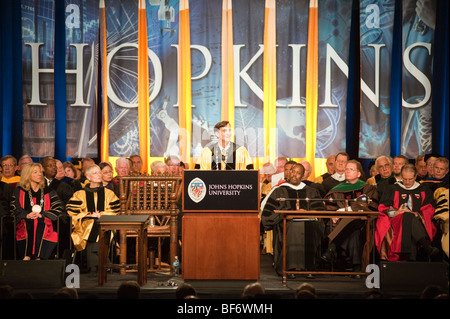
(295, 241)
(224, 154)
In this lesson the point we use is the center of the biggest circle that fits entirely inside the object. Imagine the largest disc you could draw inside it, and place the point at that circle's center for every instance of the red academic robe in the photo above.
(390, 229)
(21, 231)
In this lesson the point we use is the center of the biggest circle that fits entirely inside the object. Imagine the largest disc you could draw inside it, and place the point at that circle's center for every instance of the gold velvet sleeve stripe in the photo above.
(74, 202)
(115, 205)
(56, 207)
(76, 206)
(112, 203)
(73, 206)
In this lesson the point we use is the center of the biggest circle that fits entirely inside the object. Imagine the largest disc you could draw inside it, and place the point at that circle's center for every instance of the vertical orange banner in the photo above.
(184, 82)
(312, 84)
(143, 88)
(104, 146)
(270, 80)
(227, 63)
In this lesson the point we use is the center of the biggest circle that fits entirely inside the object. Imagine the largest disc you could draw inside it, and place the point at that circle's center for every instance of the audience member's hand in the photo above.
(34, 215)
(95, 214)
(403, 209)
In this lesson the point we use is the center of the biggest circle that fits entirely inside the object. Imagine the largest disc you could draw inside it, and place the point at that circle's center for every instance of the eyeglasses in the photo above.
(8, 165)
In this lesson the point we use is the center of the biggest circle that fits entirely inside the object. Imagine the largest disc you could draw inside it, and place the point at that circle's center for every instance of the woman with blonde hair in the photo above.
(35, 206)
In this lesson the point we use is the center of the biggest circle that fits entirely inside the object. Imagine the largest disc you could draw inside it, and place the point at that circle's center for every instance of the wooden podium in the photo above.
(220, 226)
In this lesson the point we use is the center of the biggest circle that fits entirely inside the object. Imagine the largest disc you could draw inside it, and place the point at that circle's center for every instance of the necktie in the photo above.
(223, 164)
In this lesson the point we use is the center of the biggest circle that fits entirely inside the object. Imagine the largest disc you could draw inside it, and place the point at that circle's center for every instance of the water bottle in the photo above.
(176, 266)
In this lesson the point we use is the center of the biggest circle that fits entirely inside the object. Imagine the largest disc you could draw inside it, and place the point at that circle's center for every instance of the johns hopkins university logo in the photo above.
(197, 190)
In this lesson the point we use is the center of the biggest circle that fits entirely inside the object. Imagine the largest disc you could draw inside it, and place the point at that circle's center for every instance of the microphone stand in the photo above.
(363, 198)
(360, 199)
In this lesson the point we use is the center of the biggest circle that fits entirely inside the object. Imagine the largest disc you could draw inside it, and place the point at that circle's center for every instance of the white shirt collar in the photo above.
(297, 187)
(338, 176)
(415, 185)
(48, 181)
(223, 149)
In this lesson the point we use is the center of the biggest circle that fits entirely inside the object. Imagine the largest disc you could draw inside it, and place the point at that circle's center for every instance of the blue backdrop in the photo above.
(11, 81)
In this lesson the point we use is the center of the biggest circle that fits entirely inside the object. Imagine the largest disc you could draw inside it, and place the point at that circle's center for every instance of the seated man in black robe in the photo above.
(294, 238)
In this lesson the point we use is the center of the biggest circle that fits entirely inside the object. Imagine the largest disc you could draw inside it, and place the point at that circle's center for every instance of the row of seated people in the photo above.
(53, 209)
(413, 211)
(322, 188)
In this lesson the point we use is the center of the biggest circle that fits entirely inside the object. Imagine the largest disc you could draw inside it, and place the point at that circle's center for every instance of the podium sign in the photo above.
(219, 191)
(220, 225)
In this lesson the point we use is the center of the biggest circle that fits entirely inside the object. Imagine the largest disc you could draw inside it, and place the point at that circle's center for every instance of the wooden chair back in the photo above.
(150, 195)
(156, 196)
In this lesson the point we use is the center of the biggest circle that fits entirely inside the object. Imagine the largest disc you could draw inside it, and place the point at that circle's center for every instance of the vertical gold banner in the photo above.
(270, 80)
(312, 84)
(143, 88)
(104, 146)
(184, 83)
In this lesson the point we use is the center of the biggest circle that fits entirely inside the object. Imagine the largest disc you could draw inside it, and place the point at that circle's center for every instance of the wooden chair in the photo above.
(157, 197)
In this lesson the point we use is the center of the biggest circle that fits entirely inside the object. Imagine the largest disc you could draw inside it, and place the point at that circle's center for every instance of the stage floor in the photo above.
(163, 286)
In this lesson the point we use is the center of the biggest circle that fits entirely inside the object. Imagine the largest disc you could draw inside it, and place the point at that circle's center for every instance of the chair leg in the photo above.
(159, 253)
(151, 258)
(137, 250)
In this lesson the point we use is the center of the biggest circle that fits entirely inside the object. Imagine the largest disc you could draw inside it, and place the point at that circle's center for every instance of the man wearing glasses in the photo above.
(346, 238)
(9, 166)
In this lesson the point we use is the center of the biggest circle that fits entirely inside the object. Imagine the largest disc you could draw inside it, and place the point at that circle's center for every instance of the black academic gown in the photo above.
(294, 237)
